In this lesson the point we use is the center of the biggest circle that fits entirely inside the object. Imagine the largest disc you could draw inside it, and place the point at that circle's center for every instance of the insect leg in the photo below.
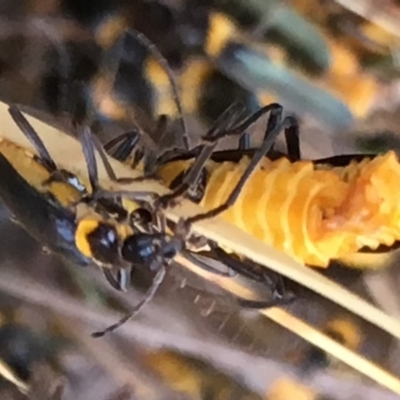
(247, 269)
(123, 278)
(126, 143)
(256, 272)
(224, 122)
(194, 259)
(27, 129)
(244, 142)
(212, 138)
(158, 279)
(261, 304)
(273, 132)
(89, 142)
(111, 279)
(121, 282)
(86, 140)
(293, 143)
(291, 138)
(275, 116)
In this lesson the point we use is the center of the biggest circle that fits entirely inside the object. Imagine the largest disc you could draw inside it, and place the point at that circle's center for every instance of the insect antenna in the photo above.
(112, 68)
(152, 48)
(78, 106)
(63, 63)
(158, 279)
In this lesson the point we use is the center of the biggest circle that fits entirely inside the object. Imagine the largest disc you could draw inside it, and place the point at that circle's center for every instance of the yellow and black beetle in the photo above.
(94, 227)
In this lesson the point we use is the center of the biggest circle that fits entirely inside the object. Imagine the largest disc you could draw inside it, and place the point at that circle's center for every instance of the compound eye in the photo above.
(98, 241)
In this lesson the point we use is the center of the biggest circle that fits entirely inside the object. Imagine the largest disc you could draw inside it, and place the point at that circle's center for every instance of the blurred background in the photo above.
(333, 64)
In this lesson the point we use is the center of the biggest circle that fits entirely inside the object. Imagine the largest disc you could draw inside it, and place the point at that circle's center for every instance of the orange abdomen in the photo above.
(313, 213)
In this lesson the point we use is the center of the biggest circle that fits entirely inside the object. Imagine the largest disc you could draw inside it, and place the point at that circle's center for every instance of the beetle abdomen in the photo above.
(314, 213)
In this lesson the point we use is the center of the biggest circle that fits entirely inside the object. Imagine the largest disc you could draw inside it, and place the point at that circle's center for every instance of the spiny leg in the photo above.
(280, 297)
(106, 163)
(259, 154)
(275, 111)
(244, 142)
(89, 143)
(291, 138)
(111, 280)
(86, 140)
(210, 141)
(158, 279)
(261, 304)
(248, 269)
(293, 142)
(30, 133)
(129, 141)
(291, 134)
(125, 143)
(195, 259)
(258, 273)
(56, 174)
